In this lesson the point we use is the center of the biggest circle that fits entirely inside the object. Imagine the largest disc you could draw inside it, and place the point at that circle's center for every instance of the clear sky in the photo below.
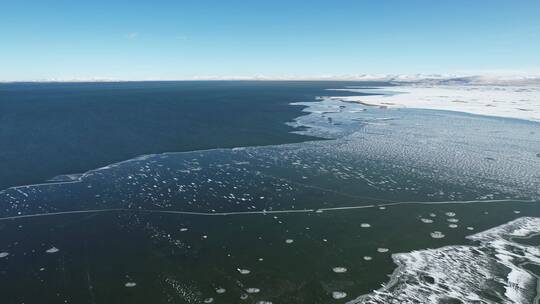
(50, 39)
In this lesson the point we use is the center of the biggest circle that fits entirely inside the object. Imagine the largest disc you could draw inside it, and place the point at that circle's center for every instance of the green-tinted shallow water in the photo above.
(271, 223)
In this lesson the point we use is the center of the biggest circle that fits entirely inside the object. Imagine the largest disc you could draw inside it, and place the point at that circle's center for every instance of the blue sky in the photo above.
(182, 39)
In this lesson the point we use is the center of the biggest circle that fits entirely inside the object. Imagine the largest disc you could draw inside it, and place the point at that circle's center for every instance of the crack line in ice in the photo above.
(259, 212)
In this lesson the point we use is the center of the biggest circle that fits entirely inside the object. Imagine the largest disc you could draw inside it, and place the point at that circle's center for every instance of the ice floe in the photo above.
(339, 269)
(243, 271)
(338, 295)
(52, 250)
(253, 290)
(437, 235)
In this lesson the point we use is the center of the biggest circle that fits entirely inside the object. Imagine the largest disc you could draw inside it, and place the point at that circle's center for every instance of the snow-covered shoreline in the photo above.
(521, 102)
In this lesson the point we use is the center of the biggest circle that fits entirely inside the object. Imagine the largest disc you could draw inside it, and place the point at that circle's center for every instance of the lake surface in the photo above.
(320, 202)
(48, 129)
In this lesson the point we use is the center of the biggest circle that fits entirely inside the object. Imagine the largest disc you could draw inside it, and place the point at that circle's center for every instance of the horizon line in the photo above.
(397, 78)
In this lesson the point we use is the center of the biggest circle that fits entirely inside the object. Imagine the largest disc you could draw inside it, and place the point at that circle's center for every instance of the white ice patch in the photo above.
(338, 295)
(490, 272)
(52, 250)
(3, 254)
(339, 269)
(289, 241)
(243, 271)
(130, 284)
(437, 235)
(253, 290)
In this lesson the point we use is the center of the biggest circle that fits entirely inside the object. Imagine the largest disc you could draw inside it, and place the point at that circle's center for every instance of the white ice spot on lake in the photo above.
(470, 228)
(339, 269)
(367, 258)
(450, 214)
(52, 250)
(183, 229)
(452, 220)
(253, 290)
(289, 241)
(365, 225)
(453, 226)
(130, 284)
(3, 254)
(243, 271)
(382, 250)
(338, 295)
(221, 290)
(427, 221)
(437, 235)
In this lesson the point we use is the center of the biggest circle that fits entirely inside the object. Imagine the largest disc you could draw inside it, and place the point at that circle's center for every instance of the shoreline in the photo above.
(518, 102)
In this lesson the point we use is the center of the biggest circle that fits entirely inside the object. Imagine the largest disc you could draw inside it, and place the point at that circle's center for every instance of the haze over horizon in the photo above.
(170, 40)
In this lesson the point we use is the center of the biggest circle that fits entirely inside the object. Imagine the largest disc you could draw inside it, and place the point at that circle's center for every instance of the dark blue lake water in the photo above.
(48, 129)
